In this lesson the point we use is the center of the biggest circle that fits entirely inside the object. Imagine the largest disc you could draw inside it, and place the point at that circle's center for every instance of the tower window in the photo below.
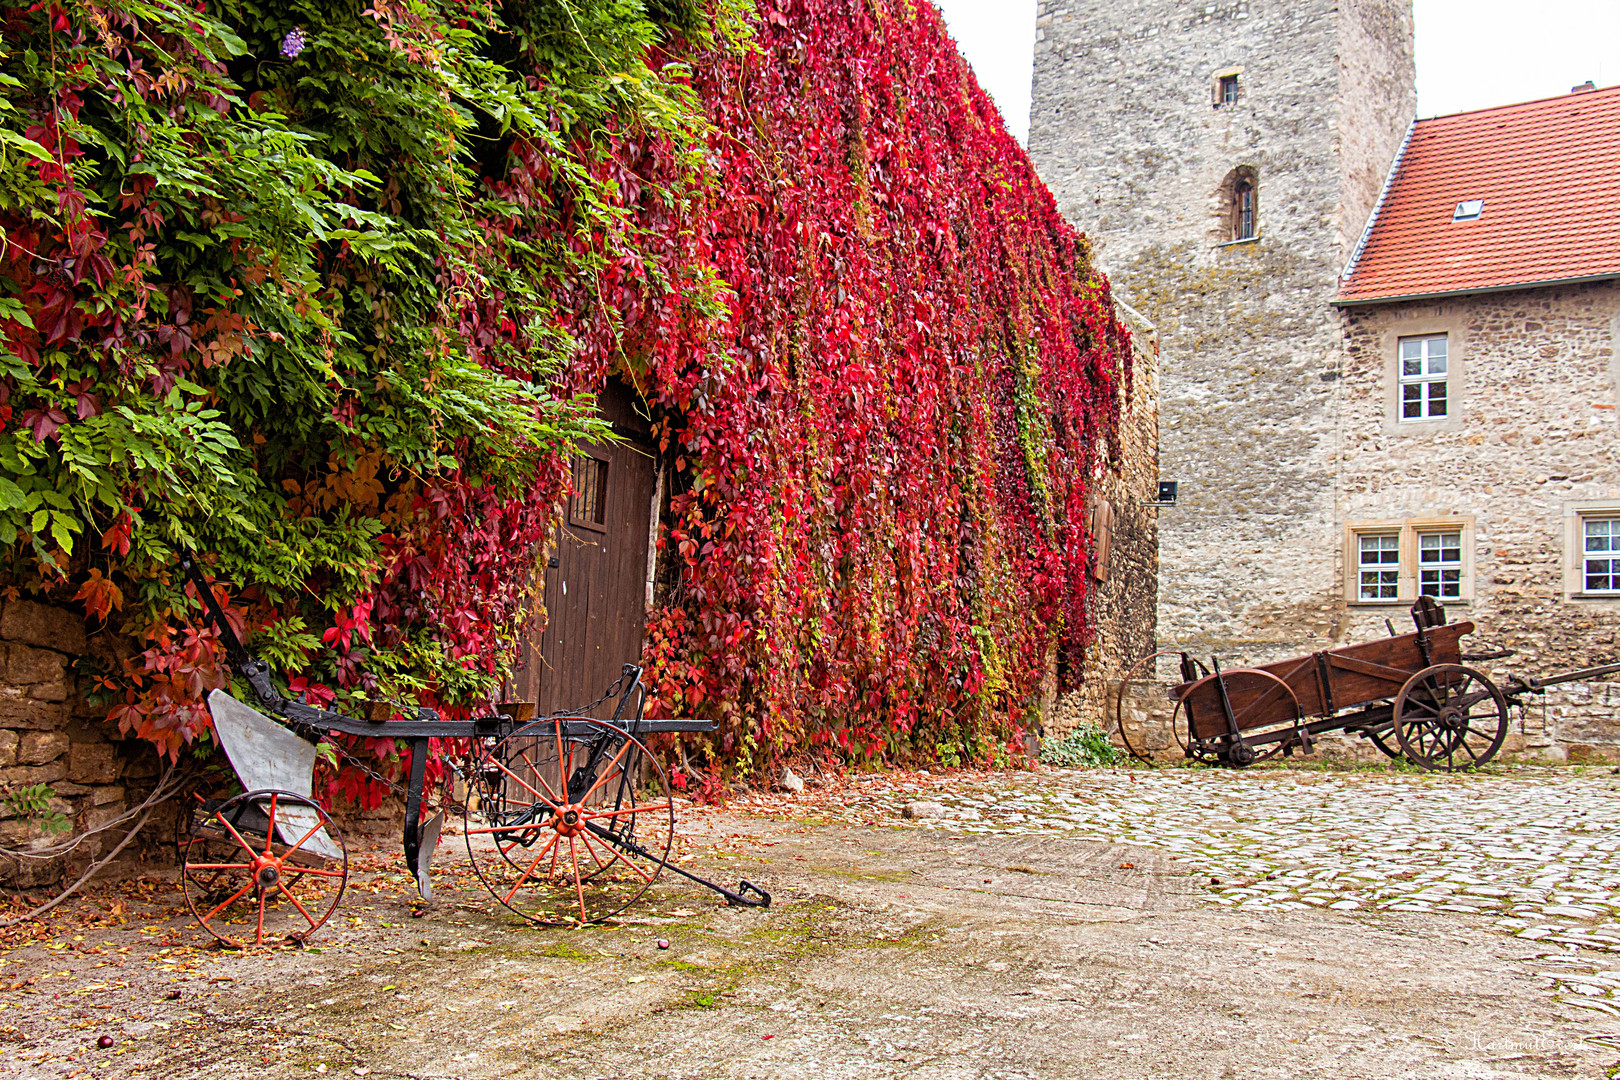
(1239, 206)
(1225, 89)
(1243, 210)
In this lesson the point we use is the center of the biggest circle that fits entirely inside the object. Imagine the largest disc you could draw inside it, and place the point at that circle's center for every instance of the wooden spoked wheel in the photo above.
(572, 820)
(1449, 717)
(1259, 701)
(1384, 739)
(253, 870)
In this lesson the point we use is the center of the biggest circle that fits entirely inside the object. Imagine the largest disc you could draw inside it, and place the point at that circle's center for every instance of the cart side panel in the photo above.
(1354, 684)
(1256, 703)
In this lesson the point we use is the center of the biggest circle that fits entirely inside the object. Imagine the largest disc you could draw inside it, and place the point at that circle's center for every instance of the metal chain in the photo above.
(396, 788)
(612, 691)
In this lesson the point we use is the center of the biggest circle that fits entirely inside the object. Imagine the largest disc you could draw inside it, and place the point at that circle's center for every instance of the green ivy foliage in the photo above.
(276, 298)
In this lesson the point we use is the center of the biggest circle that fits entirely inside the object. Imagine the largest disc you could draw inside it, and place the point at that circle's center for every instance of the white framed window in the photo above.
(1592, 552)
(1440, 565)
(1395, 562)
(1423, 378)
(1379, 566)
(1600, 555)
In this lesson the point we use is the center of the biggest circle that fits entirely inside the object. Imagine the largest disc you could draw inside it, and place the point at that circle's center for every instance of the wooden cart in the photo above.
(1412, 694)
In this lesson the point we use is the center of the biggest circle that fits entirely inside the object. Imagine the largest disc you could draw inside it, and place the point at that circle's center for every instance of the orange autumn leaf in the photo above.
(101, 597)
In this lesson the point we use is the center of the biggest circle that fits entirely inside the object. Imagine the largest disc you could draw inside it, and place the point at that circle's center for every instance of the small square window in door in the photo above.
(588, 507)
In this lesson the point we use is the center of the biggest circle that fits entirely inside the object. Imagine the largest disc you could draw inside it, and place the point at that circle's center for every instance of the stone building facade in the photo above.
(1226, 161)
(1529, 455)
(1132, 132)
(1123, 604)
(1481, 441)
(51, 734)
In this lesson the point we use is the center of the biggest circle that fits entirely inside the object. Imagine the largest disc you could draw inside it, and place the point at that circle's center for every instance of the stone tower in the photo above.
(1224, 158)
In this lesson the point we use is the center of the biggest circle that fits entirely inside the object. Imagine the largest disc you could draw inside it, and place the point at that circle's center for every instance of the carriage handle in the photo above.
(256, 672)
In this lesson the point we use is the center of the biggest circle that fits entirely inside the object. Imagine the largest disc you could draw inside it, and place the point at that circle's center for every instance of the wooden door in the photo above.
(596, 583)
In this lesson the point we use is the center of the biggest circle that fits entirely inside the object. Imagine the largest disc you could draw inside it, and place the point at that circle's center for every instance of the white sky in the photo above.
(1471, 54)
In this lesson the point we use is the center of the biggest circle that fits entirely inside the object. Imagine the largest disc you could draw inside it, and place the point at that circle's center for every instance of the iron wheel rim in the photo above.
(1434, 715)
(614, 851)
(223, 846)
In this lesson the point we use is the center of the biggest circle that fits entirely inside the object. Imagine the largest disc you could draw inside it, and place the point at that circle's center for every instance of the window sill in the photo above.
(1615, 596)
(1234, 243)
(1409, 601)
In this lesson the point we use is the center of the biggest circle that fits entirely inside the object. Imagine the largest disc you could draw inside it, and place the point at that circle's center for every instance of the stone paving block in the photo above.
(34, 774)
(18, 711)
(93, 763)
(24, 665)
(48, 691)
(1527, 849)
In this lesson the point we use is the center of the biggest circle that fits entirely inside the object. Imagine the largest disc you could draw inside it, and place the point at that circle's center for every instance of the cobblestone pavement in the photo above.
(1532, 850)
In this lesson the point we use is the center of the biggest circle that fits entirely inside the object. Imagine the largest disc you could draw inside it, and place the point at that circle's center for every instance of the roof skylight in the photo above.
(1469, 210)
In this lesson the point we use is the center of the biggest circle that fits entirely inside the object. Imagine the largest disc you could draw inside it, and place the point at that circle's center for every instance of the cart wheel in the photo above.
(1201, 752)
(1235, 752)
(1385, 741)
(1240, 755)
(573, 820)
(1449, 717)
(1119, 709)
(260, 868)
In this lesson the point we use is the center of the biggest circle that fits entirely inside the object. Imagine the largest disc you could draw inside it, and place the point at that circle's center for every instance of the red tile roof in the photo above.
(1549, 173)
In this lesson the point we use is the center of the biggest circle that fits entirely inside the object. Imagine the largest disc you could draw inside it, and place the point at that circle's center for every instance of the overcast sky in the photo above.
(1471, 54)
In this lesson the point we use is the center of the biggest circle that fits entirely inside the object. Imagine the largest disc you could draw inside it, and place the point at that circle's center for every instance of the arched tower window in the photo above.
(1240, 204)
(1242, 210)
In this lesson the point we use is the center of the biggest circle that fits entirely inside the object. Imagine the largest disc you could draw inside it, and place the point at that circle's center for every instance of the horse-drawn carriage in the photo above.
(567, 819)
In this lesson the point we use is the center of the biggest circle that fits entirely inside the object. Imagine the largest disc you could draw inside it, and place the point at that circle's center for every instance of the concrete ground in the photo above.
(1108, 923)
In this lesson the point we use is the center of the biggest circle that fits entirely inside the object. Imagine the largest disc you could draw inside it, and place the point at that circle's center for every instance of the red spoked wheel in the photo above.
(263, 868)
(569, 820)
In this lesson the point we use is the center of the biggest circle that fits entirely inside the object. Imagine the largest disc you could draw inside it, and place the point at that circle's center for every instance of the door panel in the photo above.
(595, 589)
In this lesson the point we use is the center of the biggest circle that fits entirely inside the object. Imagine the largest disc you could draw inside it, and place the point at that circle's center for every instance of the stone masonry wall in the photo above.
(50, 735)
(1278, 411)
(1124, 609)
(1533, 437)
(1125, 131)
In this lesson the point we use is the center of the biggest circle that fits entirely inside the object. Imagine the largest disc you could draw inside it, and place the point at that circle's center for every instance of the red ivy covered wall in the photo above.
(880, 454)
(880, 365)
